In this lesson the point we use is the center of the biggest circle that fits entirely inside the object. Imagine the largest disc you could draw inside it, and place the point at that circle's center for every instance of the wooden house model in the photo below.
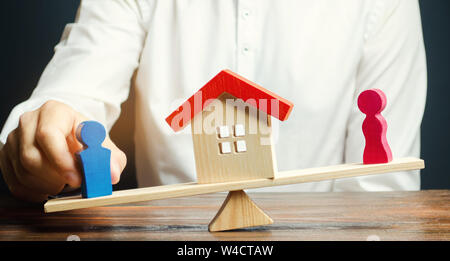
(238, 143)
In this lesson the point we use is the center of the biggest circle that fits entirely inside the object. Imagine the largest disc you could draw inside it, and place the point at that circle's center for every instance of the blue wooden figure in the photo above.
(95, 160)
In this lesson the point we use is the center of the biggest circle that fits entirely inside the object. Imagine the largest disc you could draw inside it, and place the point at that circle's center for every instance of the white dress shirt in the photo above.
(318, 54)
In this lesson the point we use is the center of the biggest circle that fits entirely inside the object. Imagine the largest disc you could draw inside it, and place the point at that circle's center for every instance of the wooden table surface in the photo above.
(423, 215)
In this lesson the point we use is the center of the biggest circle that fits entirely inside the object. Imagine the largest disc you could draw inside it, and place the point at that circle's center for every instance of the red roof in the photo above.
(229, 82)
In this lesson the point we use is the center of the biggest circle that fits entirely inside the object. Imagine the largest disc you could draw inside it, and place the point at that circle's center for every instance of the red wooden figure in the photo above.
(372, 103)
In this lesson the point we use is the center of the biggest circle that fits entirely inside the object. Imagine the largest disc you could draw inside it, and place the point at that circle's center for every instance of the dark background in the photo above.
(30, 30)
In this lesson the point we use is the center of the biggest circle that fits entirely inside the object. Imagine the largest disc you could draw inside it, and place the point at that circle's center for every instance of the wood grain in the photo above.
(212, 166)
(421, 215)
(238, 211)
(190, 189)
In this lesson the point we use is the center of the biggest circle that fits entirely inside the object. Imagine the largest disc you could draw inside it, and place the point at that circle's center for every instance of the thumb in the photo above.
(118, 160)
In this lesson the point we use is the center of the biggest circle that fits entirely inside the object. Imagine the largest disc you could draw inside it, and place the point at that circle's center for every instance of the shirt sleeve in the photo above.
(93, 63)
(394, 61)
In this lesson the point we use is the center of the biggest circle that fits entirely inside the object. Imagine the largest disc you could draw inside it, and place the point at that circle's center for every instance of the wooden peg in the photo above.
(238, 211)
(94, 160)
(372, 103)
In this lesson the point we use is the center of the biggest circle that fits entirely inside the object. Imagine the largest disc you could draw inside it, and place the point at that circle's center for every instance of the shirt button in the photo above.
(246, 14)
(246, 49)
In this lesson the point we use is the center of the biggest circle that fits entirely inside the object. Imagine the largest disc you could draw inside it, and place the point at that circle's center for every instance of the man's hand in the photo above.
(38, 157)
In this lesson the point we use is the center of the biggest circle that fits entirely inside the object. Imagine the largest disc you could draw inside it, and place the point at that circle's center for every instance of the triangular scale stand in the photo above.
(238, 211)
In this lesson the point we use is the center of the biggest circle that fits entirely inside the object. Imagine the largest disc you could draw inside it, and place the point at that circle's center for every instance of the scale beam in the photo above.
(191, 189)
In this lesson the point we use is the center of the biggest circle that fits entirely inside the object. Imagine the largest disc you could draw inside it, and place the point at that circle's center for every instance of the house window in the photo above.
(224, 132)
(239, 130)
(241, 146)
(225, 146)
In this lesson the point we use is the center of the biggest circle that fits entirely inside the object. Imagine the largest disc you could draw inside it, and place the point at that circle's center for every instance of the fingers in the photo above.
(118, 160)
(15, 187)
(31, 166)
(52, 130)
(42, 177)
(38, 158)
(30, 156)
